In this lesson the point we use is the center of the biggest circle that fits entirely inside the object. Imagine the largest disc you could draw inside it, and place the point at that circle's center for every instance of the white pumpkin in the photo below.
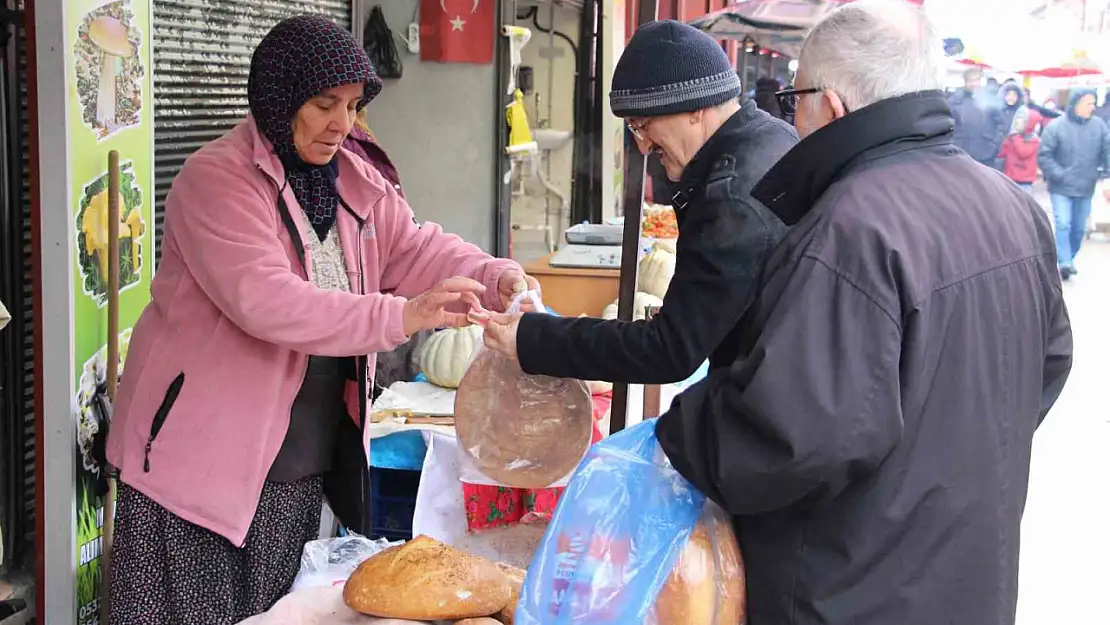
(639, 306)
(446, 354)
(656, 271)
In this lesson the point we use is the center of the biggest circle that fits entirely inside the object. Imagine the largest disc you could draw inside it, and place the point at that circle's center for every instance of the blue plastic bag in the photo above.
(615, 536)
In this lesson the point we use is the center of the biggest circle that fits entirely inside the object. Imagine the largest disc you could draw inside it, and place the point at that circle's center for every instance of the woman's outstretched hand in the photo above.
(500, 330)
(427, 310)
(511, 283)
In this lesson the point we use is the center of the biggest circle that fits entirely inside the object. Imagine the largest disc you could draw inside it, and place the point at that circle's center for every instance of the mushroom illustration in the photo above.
(110, 35)
(95, 228)
(136, 227)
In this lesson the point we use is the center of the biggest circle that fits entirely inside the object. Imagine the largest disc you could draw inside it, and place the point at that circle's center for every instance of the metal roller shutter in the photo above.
(17, 371)
(202, 54)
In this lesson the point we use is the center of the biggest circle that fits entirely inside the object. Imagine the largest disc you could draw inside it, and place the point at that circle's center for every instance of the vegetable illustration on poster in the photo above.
(109, 107)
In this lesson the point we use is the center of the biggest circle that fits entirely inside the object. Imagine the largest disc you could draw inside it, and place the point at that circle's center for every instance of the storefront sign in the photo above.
(108, 107)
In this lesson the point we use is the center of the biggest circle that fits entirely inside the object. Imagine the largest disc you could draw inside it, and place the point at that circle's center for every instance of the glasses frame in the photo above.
(638, 128)
(788, 99)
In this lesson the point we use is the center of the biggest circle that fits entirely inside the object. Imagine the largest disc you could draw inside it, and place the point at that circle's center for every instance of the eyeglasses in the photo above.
(638, 129)
(788, 99)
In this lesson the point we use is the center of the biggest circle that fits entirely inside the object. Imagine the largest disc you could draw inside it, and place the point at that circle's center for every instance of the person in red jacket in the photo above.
(1019, 150)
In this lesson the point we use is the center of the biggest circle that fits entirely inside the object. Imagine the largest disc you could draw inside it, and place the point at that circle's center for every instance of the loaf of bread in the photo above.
(426, 580)
(516, 582)
(706, 586)
(521, 430)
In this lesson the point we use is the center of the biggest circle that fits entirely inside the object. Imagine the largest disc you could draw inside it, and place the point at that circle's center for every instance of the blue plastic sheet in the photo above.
(615, 536)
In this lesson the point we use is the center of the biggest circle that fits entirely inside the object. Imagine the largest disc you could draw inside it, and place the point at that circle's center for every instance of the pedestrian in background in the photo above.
(1019, 150)
(977, 119)
(1074, 155)
(765, 90)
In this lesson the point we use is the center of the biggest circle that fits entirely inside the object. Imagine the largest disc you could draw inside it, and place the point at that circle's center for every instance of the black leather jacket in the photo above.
(725, 239)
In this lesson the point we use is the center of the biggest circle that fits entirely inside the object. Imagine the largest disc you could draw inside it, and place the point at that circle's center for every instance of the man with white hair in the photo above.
(872, 439)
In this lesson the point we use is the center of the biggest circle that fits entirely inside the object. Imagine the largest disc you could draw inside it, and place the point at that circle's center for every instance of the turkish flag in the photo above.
(457, 31)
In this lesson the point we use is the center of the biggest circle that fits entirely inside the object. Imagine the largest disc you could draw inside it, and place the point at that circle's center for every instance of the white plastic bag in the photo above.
(519, 430)
(330, 561)
(318, 606)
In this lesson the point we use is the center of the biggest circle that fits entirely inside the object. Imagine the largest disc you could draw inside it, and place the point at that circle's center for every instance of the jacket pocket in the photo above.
(160, 416)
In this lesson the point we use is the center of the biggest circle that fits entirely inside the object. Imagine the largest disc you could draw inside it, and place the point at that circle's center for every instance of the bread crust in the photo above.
(426, 580)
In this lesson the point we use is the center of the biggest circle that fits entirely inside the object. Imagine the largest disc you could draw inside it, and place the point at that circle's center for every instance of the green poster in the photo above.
(109, 107)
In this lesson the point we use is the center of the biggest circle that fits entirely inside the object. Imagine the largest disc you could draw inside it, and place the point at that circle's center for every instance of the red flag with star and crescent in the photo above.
(457, 31)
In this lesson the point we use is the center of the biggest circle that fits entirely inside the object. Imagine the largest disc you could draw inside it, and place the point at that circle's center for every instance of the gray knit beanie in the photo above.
(670, 67)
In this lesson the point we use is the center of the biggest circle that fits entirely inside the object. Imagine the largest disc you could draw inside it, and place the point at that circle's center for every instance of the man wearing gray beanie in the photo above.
(678, 92)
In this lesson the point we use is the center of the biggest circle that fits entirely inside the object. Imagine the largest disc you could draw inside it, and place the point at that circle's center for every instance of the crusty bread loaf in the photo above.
(521, 430)
(732, 606)
(516, 582)
(426, 580)
(688, 596)
(706, 586)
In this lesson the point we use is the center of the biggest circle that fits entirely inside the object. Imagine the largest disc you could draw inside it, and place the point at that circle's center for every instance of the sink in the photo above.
(551, 139)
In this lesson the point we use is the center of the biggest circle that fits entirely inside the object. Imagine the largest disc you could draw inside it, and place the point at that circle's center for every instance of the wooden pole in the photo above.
(112, 374)
(633, 201)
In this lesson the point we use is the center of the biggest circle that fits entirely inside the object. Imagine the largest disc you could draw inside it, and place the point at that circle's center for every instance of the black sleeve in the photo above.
(1058, 354)
(721, 252)
(814, 406)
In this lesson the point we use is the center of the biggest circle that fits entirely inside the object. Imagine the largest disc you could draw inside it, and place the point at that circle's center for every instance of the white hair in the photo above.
(872, 50)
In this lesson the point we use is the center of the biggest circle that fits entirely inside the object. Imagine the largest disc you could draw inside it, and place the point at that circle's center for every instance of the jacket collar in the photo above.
(356, 187)
(910, 121)
(720, 143)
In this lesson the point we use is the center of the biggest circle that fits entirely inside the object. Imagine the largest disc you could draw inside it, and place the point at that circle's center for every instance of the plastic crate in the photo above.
(392, 502)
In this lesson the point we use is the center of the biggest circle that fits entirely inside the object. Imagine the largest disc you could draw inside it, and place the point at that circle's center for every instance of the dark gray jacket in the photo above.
(1074, 153)
(872, 439)
(979, 122)
(726, 237)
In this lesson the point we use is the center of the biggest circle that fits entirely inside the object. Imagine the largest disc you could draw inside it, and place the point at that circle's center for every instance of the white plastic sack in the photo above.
(329, 562)
(441, 511)
(317, 606)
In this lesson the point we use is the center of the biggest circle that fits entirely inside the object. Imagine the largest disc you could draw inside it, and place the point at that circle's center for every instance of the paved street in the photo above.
(1066, 531)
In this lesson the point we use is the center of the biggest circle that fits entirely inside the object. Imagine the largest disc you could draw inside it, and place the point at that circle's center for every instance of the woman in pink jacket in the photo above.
(287, 263)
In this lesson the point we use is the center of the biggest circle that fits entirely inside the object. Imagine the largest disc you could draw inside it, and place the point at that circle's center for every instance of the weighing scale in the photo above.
(590, 246)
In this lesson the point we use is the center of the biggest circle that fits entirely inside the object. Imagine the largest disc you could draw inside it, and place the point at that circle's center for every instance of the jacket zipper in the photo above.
(361, 363)
(160, 416)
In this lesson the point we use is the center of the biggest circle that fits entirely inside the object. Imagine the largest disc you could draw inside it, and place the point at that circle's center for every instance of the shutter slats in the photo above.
(29, 398)
(202, 54)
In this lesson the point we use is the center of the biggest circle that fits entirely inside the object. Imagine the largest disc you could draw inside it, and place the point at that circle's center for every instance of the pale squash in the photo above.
(639, 306)
(656, 271)
(447, 353)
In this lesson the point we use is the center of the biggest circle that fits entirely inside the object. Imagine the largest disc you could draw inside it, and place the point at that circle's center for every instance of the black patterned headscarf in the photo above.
(296, 61)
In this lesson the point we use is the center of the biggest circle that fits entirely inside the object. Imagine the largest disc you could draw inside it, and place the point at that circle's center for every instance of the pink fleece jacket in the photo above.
(232, 320)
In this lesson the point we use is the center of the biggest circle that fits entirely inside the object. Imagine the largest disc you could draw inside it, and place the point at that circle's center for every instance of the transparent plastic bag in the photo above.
(621, 538)
(706, 584)
(519, 430)
(330, 561)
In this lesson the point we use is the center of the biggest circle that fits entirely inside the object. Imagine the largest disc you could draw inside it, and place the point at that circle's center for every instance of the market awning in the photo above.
(776, 24)
(779, 25)
(1070, 69)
